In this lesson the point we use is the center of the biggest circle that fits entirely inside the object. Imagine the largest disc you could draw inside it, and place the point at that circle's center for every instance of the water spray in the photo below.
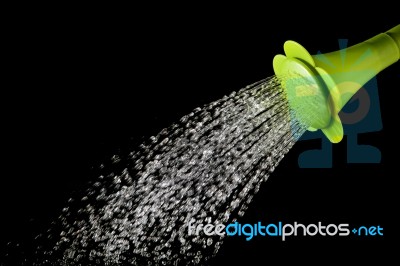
(206, 169)
(318, 86)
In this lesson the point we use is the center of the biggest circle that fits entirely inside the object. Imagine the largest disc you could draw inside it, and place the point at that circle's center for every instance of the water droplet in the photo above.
(203, 169)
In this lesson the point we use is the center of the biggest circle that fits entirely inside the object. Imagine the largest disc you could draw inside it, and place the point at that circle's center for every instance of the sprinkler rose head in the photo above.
(318, 86)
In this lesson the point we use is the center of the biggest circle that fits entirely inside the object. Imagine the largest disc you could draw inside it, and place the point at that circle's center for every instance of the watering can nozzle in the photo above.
(318, 86)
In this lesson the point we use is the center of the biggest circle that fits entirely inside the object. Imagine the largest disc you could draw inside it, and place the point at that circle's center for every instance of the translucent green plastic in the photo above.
(318, 86)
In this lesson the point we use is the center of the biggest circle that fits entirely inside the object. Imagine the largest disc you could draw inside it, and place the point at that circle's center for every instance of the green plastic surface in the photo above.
(317, 87)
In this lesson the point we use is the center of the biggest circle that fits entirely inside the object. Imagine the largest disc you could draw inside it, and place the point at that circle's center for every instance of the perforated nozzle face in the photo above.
(310, 91)
(305, 91)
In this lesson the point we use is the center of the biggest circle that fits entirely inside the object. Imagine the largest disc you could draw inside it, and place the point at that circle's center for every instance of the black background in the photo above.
(83, 86)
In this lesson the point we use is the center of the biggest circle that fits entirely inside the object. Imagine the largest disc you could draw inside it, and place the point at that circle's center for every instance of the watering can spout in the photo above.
(318, 86)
